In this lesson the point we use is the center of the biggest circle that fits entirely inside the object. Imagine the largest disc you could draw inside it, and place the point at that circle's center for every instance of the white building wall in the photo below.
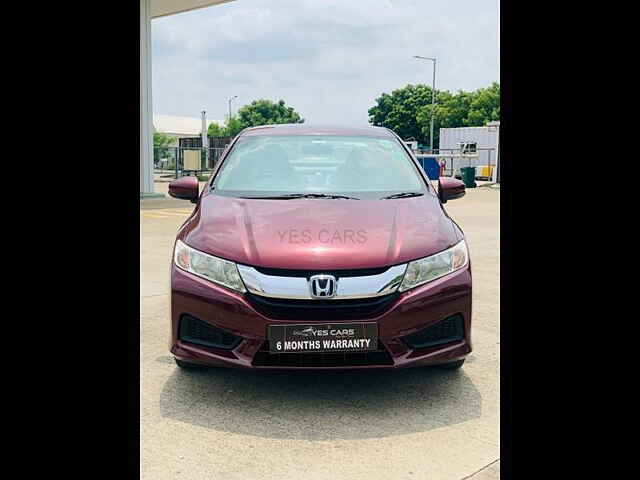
(484, 138)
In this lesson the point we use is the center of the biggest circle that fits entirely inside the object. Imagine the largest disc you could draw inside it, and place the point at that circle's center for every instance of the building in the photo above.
(180, 127)
(150, 9)
(483, 141)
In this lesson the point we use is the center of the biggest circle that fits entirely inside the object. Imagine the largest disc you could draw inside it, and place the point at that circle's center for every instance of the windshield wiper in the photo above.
(290, 196)
(403, 195)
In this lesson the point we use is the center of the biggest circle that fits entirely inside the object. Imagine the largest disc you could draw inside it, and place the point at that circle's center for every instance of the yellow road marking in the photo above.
(175, 214)
(164, 213)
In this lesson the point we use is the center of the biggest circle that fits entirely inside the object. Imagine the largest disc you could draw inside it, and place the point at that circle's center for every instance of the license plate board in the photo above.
(323, 338)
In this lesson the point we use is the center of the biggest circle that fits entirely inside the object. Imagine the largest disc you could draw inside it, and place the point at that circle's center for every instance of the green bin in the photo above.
(468, 175)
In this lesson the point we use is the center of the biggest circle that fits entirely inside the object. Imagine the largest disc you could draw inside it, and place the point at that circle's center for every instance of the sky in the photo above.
(329, 59)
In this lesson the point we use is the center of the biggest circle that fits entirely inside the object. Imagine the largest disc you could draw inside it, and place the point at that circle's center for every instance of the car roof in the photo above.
(305, 129)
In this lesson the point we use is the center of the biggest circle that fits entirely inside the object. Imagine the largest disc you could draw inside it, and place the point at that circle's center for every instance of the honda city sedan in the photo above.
(319, 248)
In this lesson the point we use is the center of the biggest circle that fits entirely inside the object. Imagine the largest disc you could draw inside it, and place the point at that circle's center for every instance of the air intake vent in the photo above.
(198, 332)
(451, 329)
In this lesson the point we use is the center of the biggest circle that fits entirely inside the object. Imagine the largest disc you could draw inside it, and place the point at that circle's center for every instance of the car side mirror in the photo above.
(450, 188)
(185, 188)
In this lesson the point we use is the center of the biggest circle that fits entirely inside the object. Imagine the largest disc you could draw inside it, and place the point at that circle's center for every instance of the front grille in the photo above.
(325, 310)
(451, 329)
(198, 332)
(332, 359)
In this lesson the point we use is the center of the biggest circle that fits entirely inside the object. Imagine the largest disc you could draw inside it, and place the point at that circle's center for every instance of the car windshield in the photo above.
(266, 166)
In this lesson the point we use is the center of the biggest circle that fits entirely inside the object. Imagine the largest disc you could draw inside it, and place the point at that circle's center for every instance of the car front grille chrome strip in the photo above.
(346, 287)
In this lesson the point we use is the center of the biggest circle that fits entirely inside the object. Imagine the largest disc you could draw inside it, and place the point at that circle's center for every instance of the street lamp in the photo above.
(433, 96)
(205, 138)
(230, 100)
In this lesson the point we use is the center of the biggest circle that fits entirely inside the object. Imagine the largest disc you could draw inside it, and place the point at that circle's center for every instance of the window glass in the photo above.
(317, 164)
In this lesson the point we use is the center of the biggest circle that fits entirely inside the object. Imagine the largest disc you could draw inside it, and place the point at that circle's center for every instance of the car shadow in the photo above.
(320, 405)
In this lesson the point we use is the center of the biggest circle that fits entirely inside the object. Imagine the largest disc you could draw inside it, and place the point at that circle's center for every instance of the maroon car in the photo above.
(319, 248)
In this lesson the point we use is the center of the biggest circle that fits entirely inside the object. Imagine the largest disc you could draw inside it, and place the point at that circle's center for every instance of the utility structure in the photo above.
(230, 100)
(433, 97)
(205, 138)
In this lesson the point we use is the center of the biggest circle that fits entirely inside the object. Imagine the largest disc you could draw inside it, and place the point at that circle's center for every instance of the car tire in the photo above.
(452, 365)
(188, 365)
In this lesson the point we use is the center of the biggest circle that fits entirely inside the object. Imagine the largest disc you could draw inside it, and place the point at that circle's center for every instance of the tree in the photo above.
(450, 111)
(162, 139)
(216, 130)
(408, 110)
(161, 143)
(399, 110)
(267, 112)
(258, 112)
(485, 106)
(233, 127)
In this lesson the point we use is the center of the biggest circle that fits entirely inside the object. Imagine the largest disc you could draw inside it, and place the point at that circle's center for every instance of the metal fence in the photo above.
(181, 161)
(455, 159)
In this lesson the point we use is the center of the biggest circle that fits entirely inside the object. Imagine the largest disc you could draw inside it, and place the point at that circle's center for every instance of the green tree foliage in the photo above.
(216, 130)
(485, 106)
(161, 142)
(267, 112)
(399, 110)
(162, 139)
(408, 110)
(258, 112)
(230, 129)
(234, 126)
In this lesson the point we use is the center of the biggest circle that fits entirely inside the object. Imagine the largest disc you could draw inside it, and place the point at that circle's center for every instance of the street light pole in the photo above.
(230, 100)
(205, 139)
(433, 96)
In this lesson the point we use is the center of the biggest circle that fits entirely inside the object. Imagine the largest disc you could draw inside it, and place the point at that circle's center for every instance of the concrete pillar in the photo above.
(146, 105)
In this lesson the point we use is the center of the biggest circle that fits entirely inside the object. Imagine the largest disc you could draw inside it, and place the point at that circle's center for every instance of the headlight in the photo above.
(214, 269)
(429, 268)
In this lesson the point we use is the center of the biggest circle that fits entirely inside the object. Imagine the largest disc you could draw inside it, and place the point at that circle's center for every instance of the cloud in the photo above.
(328, 59)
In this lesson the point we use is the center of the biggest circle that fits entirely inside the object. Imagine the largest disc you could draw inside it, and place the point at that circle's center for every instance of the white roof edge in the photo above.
(180, 125)
(164, 8)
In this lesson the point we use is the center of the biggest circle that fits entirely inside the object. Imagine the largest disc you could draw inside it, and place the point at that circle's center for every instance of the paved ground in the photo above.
(416, 423)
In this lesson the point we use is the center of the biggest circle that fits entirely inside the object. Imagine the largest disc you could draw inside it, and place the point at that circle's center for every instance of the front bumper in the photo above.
(412, 311)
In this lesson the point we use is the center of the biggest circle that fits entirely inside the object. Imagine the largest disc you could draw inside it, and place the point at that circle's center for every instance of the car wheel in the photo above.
(452, 365)
(188, 365)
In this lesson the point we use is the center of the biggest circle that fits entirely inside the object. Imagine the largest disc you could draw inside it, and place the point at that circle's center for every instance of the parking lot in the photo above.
(413, 423)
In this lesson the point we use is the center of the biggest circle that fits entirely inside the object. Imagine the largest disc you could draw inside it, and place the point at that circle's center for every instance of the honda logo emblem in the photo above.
(323, 286)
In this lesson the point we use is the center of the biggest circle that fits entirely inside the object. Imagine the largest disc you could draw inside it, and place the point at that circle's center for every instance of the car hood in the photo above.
(319, 233)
